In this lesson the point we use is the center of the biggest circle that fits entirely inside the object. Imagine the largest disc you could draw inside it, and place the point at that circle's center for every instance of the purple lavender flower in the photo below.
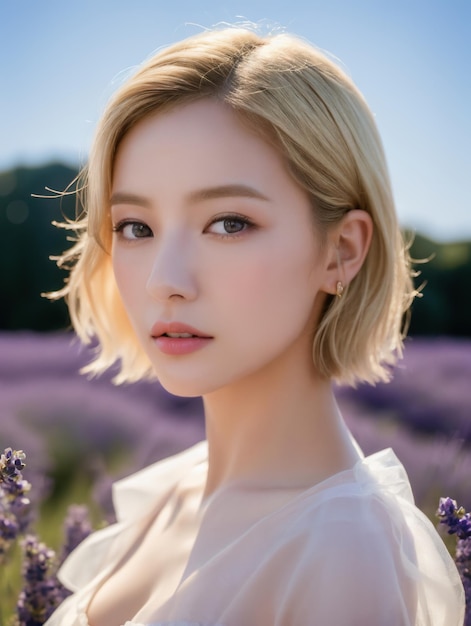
(455, 518)
(9, 531)
(14, 505)
(449, 514)
(42, 593)
(8, 527)
(77, 527)
(447, 507)
(11, 479)
(463, 562)
(11, 465)
(459, 522)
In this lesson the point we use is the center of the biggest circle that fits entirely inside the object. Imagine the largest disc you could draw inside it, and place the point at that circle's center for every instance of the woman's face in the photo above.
(213, 240)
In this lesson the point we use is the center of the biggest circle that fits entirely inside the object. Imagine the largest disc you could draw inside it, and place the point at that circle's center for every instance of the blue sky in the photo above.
(61, 60)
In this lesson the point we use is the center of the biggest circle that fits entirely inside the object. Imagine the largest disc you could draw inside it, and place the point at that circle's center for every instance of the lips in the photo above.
(176, 330)
(176, 339)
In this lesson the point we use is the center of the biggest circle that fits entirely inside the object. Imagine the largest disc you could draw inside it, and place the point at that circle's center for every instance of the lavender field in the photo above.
(81, 434)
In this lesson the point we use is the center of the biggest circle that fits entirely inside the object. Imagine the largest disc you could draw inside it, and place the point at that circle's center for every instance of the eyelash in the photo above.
(234, 217)
(120, 226)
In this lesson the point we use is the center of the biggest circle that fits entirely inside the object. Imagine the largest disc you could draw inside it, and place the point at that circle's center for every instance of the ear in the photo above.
(348, 242)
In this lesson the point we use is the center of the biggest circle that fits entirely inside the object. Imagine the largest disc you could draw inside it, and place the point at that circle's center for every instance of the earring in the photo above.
(340, 289)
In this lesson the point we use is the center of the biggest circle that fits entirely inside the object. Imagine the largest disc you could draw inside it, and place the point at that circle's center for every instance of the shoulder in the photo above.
(355, 507)
(352, 527)
(362, 554)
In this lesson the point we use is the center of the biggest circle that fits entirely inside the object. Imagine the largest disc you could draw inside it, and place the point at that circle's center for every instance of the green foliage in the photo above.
(27, 239)
(445, 305)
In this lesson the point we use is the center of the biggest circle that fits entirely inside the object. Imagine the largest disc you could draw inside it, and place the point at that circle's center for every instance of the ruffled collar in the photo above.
(135, 496)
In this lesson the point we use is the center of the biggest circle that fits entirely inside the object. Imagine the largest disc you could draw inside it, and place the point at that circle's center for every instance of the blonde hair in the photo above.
(304, 103)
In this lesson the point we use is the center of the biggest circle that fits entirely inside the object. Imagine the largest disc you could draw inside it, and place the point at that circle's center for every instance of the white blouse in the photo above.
(352, 550)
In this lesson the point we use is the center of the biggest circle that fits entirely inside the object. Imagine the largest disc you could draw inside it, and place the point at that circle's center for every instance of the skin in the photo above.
(257, 291)
(248, 270)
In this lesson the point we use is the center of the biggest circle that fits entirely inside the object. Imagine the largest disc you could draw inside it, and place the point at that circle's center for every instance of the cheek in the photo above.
(272, 284)
(126, 279)
(120, 273)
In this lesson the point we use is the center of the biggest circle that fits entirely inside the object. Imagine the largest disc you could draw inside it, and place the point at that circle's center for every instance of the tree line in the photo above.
(28, 239)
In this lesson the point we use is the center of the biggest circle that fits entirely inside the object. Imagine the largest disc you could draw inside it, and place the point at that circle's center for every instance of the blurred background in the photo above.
(61, 62)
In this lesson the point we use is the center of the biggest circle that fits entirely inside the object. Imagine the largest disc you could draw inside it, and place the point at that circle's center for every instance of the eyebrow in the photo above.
(122, 197)
(208, 193)
(226, 191)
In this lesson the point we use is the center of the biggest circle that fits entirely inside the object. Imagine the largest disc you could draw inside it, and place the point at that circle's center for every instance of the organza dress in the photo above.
(352, 550)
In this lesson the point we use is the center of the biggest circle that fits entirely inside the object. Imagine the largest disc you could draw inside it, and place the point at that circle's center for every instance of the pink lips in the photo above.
(178, 345)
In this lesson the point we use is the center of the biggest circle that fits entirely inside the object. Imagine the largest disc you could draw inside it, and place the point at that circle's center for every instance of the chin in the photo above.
(181, 388)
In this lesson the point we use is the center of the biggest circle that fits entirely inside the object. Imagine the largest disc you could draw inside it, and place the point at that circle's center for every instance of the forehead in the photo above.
(205, 141)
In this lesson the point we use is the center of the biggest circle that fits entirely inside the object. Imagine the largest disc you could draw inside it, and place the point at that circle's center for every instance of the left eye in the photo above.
(230, 225)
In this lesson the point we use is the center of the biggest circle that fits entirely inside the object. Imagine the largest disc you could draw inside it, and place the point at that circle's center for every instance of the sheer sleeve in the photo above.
(372, 563)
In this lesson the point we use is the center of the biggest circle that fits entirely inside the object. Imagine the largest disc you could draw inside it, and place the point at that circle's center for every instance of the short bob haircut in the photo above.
(309, 109)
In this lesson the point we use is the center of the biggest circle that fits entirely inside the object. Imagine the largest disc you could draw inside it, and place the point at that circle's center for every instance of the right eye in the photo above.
(130, 230)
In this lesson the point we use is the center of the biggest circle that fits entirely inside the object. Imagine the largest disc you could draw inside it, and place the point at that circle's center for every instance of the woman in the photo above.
(239, 242)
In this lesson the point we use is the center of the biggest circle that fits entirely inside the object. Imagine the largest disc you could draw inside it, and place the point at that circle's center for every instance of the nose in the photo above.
(172, 272)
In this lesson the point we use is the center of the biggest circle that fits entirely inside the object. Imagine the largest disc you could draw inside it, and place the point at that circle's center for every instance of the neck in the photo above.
(280, 428)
